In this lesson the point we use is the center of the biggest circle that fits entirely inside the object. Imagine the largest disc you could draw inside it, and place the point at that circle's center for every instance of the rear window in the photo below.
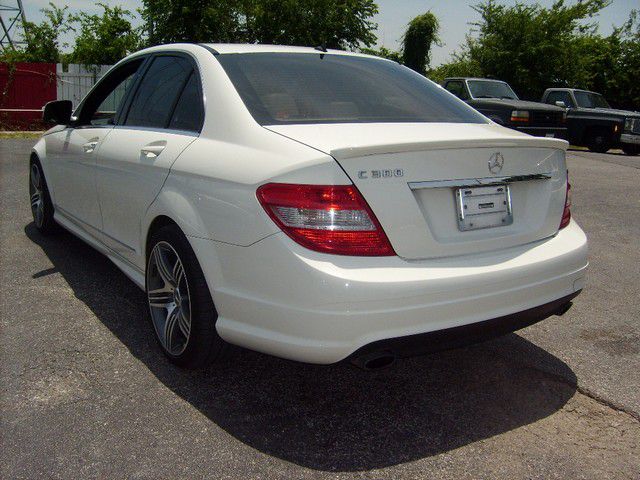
(294, 88)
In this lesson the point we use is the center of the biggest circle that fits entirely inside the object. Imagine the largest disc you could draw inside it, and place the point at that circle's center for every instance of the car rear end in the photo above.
(540, 122)
(442, 223)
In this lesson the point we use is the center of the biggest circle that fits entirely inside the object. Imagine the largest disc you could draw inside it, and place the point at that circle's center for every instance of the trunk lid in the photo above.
(410, 175)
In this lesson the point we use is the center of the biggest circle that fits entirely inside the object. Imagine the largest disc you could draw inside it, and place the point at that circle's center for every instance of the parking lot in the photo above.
(86, 393)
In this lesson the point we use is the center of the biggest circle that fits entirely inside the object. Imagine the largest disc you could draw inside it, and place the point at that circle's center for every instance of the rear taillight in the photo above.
(520, 116)
(326, 218)
(566, 214)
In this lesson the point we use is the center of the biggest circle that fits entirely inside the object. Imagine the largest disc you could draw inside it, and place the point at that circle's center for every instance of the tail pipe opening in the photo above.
(374, 361)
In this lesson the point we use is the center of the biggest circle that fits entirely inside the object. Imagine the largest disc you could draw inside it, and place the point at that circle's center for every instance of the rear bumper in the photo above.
(555, 132)
(279, 298)
(456, 337)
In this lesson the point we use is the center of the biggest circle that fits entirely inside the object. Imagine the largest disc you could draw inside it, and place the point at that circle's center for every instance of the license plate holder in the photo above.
(486, 206)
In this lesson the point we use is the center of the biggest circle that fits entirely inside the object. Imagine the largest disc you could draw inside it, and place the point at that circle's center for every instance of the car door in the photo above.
(164, 116)
(73, 150)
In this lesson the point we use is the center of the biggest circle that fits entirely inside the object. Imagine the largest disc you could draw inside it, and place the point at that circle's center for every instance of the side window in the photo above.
(457, 88)
(104, 102)
(554, 97)
(158, 92)
(106, 112)
(189, 112)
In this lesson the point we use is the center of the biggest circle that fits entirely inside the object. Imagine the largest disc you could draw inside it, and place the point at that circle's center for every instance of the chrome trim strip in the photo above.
(158, 130)
(471, 182)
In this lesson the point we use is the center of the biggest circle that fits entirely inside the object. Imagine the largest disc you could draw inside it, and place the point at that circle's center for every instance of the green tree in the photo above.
(461, 65)
(532, 47)
(104, 39)
(417, 41)
(616, 67)
(384, 53)
(169, 21)
(43, 39)
(331, 23)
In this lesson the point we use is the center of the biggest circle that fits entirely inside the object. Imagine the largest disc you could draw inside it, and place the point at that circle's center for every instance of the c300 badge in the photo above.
(390, 173)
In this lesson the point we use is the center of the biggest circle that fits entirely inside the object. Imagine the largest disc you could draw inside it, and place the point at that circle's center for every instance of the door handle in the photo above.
(90, 146)
(153, 149)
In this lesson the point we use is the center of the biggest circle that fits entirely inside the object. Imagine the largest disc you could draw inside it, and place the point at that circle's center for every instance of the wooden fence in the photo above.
(26, 87)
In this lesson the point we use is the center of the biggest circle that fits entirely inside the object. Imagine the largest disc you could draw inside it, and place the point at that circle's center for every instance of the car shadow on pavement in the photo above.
(335, 418)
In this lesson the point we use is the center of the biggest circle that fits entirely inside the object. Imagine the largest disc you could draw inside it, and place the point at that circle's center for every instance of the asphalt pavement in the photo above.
(86, 393)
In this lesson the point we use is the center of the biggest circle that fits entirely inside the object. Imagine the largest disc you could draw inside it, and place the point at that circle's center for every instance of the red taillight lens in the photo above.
(566, 214)
(326, 218)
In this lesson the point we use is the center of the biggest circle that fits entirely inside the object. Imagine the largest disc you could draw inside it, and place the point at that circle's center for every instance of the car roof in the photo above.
(225, 48)
(235, 48)
(565, 89)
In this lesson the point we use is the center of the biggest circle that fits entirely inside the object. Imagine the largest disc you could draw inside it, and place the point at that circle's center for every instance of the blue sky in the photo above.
(454, 16)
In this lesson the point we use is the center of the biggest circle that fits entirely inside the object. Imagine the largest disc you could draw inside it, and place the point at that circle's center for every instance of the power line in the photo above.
(12, 22)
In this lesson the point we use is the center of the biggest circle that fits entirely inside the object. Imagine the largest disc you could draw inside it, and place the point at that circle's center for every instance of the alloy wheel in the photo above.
(37, 195)
(168, 297)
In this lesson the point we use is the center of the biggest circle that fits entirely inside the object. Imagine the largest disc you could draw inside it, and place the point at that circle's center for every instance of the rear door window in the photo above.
(159, 90)
(189, 112)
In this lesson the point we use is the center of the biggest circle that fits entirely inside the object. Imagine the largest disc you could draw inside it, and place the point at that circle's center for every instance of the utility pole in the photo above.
(12, 20)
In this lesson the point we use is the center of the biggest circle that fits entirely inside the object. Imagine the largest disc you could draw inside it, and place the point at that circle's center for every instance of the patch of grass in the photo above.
(20, 134)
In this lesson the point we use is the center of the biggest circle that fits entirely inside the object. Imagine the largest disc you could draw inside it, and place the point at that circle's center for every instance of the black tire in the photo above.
(631, 150)
(599, 140)
(203, 345)
(40, 200)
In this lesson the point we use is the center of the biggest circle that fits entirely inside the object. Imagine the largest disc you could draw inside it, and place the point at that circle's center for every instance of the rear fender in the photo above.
(227, 211)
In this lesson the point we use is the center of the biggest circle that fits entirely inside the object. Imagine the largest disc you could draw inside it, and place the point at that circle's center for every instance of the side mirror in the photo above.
(560, 103)
(57, 112)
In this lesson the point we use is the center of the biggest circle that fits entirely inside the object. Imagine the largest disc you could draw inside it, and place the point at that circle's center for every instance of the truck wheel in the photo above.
(599, 140)
(631, 149)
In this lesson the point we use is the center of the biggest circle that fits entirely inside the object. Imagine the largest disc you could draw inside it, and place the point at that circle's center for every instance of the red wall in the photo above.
(28, 87)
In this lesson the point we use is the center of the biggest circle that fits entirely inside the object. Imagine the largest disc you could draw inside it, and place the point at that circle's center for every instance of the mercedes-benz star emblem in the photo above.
(496, 162)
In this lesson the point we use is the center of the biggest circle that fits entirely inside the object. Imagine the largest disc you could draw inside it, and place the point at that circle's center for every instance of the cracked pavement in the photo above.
(86, 393)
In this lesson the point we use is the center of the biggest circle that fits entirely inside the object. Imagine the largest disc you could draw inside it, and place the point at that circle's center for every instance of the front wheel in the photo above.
(599, 141)
(41, 204)
(180, 304)
(631, 149)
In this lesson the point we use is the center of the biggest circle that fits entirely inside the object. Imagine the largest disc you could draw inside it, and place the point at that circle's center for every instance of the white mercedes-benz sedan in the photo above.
(314, 205)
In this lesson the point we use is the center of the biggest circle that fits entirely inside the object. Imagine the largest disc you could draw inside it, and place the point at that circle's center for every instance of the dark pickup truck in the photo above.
(495, 99)
(592, 123)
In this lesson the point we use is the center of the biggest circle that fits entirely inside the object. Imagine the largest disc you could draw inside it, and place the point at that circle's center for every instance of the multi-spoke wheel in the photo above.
(169, 302)
(180, 304)
(41, 205)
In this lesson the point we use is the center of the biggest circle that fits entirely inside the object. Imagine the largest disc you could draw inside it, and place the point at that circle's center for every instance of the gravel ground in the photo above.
(86, 393)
